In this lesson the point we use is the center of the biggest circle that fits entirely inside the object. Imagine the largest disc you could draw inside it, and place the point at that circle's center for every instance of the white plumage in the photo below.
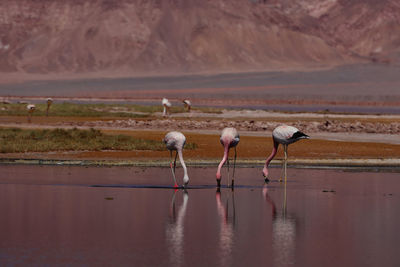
(175, 141)
(30, 107)
(188, 104)
(166, 106)
(284, 135)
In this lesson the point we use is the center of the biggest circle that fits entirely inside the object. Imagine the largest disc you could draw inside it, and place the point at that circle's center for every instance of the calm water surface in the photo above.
(118, 216)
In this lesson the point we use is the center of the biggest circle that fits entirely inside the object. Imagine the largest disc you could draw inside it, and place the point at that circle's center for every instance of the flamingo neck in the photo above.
(271, 156)
(164, 110)
(226, 151)
(185, 175)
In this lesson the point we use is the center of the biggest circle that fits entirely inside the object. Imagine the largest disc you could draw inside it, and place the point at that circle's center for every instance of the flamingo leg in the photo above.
(286, 156)
(172, 169)
(282, 171)
(176, 155)
(234, 166)
(228, 170)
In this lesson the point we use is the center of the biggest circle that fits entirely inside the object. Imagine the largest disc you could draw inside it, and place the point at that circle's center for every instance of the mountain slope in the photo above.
(176, 36)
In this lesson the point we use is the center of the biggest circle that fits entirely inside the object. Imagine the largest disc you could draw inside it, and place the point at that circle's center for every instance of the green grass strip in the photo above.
(14, 140)
(67, 109)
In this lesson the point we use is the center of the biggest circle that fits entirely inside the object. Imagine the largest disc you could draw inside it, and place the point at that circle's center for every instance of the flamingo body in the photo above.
(284, 135)
(49, 101)
(229, 138)
(166, 106)
(175, 141)
(31, 108)
(187, 104)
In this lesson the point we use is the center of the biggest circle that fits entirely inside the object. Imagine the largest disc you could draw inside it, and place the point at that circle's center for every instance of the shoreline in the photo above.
(377, 163)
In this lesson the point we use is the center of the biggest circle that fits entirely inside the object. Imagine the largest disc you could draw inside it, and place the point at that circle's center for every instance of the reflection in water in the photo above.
(283, 232)
(227, 224)
(175, 230)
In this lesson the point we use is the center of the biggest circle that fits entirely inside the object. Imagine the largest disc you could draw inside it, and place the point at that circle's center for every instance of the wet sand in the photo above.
(54, 216)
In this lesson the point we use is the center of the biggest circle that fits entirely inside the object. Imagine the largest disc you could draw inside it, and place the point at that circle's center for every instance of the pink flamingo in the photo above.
(229, 138)
(284, 135)
(176, 141)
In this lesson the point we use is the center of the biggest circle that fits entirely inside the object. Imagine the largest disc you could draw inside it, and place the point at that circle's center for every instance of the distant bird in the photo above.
(284, 135)
(166, 107)
(176, 141)
(31, 108)
(229, 138)
(49, 101)
(187, 104)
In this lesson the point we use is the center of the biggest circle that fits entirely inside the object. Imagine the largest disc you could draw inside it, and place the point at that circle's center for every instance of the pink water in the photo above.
(54, 215)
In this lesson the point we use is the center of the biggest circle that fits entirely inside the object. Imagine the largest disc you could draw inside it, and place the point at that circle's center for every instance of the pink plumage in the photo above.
(229, 138)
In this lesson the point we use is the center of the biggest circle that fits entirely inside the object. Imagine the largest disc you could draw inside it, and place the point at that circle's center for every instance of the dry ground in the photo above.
(345, 136)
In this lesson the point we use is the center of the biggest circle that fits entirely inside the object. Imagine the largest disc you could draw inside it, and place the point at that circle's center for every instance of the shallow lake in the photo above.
(125, 216)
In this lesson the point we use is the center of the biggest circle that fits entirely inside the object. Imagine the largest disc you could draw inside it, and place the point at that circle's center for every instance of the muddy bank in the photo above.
(309, 126)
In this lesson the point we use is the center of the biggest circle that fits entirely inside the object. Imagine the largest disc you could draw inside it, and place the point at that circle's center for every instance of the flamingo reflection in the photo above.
(226, 226)
(175, 230)
(283, 232)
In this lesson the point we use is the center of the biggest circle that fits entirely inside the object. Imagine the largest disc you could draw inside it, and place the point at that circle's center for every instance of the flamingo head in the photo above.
(219, 181)
(265, 174)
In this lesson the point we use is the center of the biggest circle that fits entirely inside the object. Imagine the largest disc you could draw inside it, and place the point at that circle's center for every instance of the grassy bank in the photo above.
(13, 140)
(66, 109)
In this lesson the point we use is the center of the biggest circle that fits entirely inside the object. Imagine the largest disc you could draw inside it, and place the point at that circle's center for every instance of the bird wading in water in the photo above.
(176, 141)
(284, 135)
(229, 138)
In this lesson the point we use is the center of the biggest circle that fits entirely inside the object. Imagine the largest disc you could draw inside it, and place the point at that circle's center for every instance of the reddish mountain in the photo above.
(139, 36)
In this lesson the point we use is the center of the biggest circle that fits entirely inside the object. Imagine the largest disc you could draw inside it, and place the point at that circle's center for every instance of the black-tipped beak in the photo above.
(266, 180)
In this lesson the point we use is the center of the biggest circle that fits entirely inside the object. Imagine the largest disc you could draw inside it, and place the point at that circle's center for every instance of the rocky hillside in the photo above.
(141, 36)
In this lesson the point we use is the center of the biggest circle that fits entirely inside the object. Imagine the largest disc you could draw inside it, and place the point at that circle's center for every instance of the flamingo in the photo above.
(187, 104)
(167, 105)
(229, 138)
(176, 141)
(49, 101)
(31, 108)
(284, 135)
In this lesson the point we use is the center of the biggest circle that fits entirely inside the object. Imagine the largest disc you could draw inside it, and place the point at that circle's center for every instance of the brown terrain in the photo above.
(130, 37)
(275, 52)
(333, 137)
